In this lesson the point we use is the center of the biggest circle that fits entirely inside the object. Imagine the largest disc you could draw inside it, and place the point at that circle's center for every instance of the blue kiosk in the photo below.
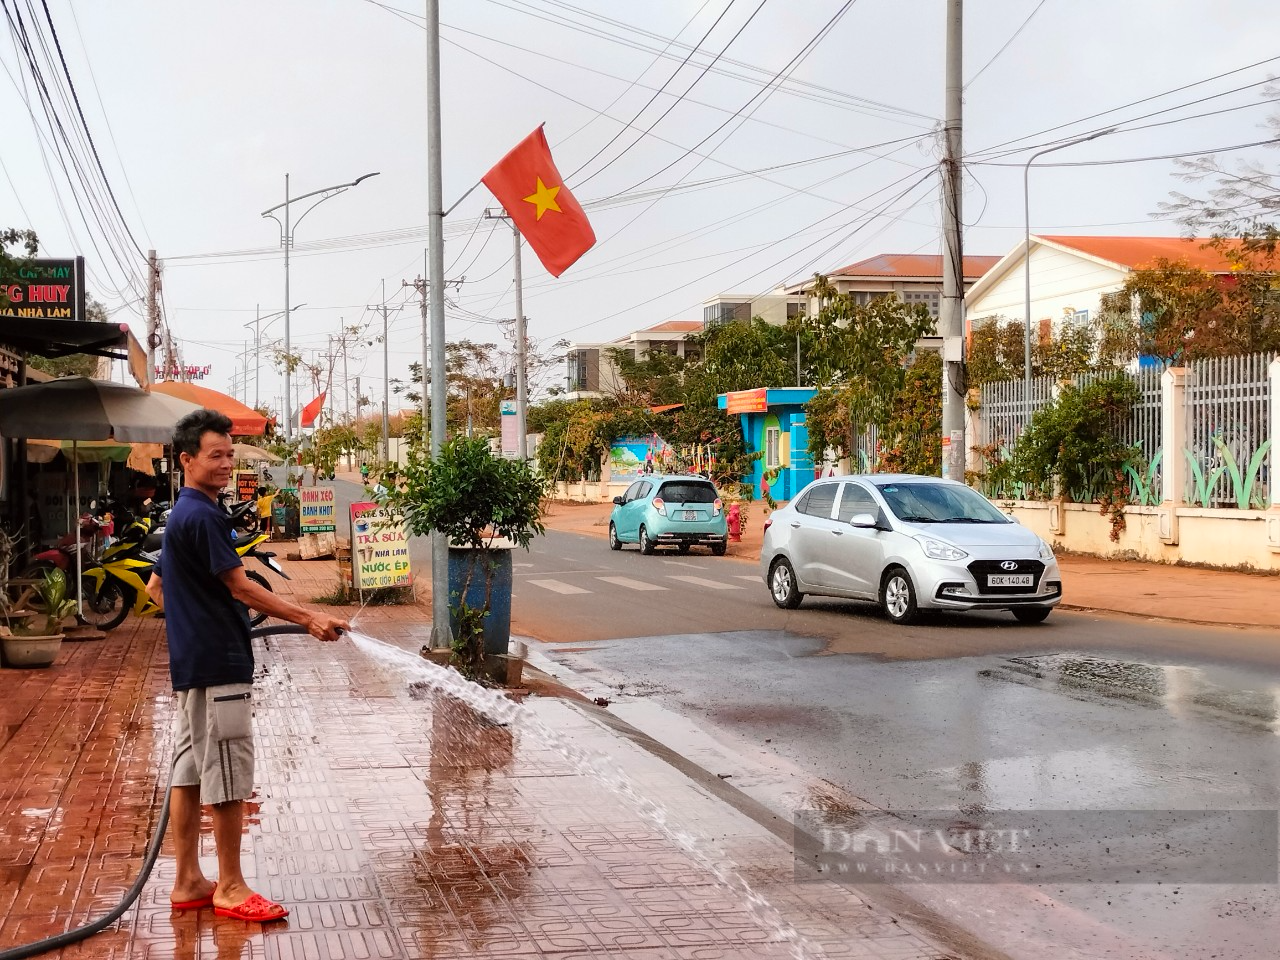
(773, 423)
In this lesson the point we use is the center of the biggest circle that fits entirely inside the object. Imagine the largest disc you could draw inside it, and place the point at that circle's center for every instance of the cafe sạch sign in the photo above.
(317, 510)
(43, 290)
(379, 547)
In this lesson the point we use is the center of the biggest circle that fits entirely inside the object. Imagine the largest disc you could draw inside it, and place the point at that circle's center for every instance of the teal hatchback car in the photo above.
(661, 510)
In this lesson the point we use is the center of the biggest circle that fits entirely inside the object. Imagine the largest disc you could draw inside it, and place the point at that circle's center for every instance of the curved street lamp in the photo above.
(1026, 261)
(286, 240)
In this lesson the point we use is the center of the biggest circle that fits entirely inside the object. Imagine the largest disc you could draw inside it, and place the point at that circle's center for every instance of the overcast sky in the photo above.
(199, 110)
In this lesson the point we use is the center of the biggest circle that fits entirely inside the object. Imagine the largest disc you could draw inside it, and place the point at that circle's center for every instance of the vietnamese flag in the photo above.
(528, 185)
(312, 410)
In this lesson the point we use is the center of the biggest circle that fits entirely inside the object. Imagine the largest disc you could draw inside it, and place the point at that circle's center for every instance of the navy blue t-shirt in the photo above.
(208, 628)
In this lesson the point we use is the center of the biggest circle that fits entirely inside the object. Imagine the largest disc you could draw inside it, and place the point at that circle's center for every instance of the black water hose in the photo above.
(68, 937)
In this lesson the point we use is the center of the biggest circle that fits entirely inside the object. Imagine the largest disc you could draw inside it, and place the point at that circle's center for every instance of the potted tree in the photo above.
(484, 505)
(32, 638)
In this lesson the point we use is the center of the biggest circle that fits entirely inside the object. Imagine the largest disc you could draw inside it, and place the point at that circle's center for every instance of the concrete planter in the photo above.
(485, 569)
(31, 651)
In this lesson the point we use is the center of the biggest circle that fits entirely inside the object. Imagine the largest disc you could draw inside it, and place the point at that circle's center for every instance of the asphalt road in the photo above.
(972, 713)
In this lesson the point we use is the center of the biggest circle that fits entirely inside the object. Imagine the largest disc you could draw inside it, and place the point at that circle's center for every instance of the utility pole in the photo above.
(386, 382)
(153, 314)
(522, 340)
(346, 380)
(257, 352)
(441, 634)
(951, 314)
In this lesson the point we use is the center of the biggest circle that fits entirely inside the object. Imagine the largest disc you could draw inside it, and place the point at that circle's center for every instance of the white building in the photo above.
(591, 373)
(1071, 277)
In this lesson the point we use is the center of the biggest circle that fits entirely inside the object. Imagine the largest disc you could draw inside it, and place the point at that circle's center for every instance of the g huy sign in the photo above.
(379, 547)
(317, 510)
(747, 401)
(43, 290)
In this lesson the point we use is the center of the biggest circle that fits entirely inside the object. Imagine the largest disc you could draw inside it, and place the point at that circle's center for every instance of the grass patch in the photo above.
(344, 596)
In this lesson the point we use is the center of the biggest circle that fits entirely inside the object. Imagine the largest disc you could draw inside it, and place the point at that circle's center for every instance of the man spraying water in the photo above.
(202, 586)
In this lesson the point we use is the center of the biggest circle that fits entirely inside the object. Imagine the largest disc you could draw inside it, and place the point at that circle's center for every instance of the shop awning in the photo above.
(62, 338)
(245, 421)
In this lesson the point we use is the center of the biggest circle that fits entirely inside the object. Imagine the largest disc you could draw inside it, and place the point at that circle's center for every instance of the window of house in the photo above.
(772, 448)
(1080, 316)
(930, 298)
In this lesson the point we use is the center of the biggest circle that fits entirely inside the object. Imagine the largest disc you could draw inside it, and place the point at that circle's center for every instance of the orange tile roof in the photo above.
(678, 325)
(913, 265)
(1137, 252)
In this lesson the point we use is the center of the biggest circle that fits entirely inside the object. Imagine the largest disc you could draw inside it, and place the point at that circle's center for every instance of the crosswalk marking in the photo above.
(558, 586)
(703, 582)
(753, 577)
(630, 584)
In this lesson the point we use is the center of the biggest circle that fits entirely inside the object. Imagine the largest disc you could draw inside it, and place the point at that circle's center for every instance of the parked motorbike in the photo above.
(117, 583)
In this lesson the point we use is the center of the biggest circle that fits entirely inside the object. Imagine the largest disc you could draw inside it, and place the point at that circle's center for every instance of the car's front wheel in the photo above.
(898, 597)
(1032, 614)
(614, 542)
(782, 585)
(646, 545)
(718, 549)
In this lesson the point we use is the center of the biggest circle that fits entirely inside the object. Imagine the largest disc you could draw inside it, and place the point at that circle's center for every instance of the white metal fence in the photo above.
(1006, 411)
(1227, 403)
(1228, 426)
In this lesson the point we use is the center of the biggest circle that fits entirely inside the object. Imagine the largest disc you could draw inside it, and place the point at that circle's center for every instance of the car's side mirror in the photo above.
(619, 500)
(864, 520)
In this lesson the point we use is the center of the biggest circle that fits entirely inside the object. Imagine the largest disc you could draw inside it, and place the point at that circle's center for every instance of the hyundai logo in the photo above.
(1009, 565)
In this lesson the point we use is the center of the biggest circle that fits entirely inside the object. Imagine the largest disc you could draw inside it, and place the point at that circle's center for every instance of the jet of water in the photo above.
(500, 709)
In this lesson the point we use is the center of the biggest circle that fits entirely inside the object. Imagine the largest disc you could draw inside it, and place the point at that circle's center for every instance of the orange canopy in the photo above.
(245, 421)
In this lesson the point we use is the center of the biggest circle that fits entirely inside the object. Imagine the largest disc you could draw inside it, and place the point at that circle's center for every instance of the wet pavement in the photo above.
(794, 726)
(393, 823)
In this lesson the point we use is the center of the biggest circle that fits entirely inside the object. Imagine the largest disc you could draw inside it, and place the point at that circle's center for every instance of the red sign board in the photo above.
(747, 401)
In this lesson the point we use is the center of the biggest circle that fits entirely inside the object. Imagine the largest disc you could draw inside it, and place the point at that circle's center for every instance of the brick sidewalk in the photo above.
(392, 825)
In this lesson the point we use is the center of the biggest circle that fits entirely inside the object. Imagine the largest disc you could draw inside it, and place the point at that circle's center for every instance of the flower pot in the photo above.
(478, 565)
(31, 651)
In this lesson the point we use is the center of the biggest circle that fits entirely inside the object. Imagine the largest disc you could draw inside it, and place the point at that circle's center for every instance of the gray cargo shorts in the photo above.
(213, 742)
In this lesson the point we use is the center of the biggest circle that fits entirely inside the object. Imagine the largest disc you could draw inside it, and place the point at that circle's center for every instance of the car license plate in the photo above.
(690, 515)
(1011, 580)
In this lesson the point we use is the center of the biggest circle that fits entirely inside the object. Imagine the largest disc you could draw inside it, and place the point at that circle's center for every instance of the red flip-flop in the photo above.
(257, 909)
(193, 904)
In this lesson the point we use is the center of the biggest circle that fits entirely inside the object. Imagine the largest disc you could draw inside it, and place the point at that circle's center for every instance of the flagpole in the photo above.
(441, 635)
(522, 398)
(470, 190)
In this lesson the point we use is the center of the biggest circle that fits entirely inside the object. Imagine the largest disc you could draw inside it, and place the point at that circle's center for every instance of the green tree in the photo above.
(1188, 313)
(28, 245)
(858, 355)
(656, 377)
(739, 356)
(911, 437)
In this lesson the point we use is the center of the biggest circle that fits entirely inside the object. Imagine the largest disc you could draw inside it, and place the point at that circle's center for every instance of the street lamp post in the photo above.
(257, 346)
(286, 240)
(1026, 261)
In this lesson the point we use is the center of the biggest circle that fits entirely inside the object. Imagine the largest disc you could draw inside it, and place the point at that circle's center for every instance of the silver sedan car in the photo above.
(911, 543)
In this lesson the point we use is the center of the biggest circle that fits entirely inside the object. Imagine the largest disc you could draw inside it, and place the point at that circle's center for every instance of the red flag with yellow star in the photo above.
(528, 185)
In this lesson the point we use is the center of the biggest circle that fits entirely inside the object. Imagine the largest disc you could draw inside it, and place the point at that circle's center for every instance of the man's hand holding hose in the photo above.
(322, 626)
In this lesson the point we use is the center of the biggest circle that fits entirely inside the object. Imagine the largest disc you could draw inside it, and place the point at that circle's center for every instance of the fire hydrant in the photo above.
(734, 519)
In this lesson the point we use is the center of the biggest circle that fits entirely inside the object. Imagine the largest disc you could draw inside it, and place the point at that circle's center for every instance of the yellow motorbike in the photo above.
(118, 582)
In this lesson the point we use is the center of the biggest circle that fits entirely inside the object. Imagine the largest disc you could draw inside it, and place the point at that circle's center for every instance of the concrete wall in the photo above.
(1219, 538)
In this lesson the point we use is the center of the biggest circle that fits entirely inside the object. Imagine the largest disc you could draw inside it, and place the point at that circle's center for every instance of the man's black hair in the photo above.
(187, 434)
